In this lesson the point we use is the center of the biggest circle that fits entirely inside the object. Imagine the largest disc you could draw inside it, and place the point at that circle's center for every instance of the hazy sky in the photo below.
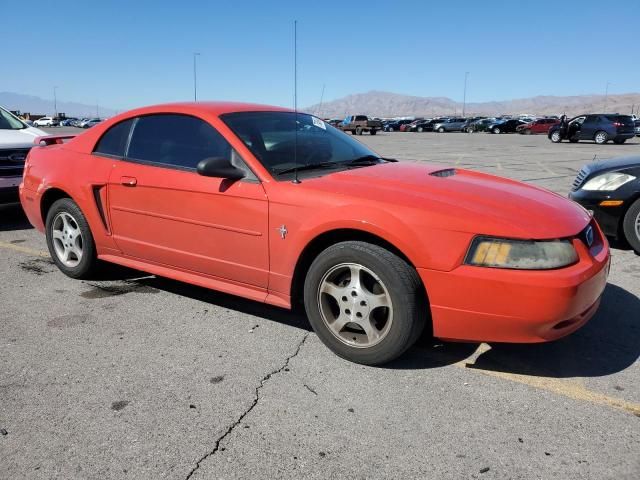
(123, 54)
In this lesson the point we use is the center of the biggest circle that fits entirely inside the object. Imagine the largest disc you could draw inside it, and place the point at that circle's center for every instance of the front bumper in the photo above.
(607, 217)
(500, 305)
(9, 189)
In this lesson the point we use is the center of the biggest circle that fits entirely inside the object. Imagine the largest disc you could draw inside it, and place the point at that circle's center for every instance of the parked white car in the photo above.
(16, 139)
(45, 122)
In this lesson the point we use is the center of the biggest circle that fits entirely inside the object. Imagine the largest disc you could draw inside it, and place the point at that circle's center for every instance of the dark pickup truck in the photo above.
(356, 124)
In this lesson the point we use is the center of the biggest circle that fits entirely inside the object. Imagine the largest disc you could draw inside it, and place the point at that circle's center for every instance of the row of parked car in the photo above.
(599, 127)
(66, 122)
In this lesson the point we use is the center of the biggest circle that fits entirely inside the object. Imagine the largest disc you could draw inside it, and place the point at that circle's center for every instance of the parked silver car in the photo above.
(453, 124)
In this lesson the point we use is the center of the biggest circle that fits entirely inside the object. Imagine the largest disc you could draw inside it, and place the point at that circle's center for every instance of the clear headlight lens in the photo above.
(520, 254)
(608, 181)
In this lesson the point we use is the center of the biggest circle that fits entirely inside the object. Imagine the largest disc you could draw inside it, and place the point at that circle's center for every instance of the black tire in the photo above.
(358, 131)
(495, 130)
(601, 137)
(469, 129)
(619, 141)
(527, 131)
(631, 225)
(409, 305)
(390, 129)
(373, 131)
(353, 132)
(441, 130)
(88, 262)
(420, 129)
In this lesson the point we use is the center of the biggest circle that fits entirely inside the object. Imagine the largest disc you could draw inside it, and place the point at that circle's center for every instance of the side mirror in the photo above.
(219, 167)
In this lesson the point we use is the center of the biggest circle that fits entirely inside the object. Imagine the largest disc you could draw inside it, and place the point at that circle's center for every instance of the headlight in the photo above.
(608, 181)
(521, 254)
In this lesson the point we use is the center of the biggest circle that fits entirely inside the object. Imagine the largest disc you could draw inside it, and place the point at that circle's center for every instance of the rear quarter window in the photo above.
(114, 141)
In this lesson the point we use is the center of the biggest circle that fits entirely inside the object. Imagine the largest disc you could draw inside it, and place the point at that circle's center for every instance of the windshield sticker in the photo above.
(318, 123)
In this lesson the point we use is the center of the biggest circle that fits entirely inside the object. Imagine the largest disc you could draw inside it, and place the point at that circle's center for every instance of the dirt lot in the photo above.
(134, 376)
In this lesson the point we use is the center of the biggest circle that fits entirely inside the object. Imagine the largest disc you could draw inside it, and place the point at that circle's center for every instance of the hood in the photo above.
(19, 138)
(621, 163)
(459, 200)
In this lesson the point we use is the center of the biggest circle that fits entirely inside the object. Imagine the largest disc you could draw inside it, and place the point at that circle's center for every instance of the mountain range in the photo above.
(41, 106)
(382, 104)
(387, 104)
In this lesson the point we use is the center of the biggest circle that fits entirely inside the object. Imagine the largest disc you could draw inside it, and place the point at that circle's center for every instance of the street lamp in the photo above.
(55, 102)
(195, 78)
(606, 96)
(464, 99)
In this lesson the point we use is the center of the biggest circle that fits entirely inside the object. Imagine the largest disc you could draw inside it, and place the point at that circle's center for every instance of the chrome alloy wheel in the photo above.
(601, 137)
(67, 239)
(638, 226)
(555, 136)
(355, 305)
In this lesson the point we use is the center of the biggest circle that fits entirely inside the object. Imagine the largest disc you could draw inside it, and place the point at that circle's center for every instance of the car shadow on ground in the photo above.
(12, 217)
(608, 343)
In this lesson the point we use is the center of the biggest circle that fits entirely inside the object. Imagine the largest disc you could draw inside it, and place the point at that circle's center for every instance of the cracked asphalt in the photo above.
(135, 376)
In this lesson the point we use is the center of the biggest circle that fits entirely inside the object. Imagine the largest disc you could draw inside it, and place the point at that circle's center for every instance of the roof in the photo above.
(215, 108)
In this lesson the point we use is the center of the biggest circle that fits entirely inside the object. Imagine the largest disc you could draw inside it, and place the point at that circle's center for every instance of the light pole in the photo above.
(606, 96)
(195, 78)
(464, 99)
(55, 103)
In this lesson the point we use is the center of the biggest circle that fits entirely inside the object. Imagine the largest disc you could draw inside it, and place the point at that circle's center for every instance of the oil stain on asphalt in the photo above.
(37, 266)
(115, 289)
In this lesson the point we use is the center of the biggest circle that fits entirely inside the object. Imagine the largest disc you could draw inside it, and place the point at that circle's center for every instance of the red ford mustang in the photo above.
(281, 208)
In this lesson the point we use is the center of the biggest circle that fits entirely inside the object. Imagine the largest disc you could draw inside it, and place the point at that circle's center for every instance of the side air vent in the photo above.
(447, 172)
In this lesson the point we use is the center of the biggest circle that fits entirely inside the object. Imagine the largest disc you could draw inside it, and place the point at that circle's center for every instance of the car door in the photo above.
(162, 211)
(589, 127)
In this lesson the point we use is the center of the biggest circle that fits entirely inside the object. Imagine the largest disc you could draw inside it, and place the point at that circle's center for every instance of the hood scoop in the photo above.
(446, 172)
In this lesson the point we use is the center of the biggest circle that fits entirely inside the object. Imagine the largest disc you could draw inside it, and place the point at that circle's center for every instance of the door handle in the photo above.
(128, 181)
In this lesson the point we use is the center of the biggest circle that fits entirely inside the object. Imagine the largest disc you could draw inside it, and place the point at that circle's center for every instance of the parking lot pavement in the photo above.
(134, 376)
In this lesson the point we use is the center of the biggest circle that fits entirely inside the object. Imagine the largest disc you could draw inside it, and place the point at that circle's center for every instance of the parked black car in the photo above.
(505, 126)
(599, 127)
(637, 122)
(479, 125)
(611, 190)
(425, 125)
(394, 126)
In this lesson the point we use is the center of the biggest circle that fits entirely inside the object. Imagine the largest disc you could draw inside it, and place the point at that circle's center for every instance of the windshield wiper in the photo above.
(308, 166)
(367, 160)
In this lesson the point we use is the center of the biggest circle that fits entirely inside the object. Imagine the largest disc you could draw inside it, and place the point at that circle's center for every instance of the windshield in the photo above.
(9, 122)
(272, 138)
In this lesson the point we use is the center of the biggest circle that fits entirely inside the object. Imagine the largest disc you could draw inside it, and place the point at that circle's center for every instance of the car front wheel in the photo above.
(69, 239)
(601, 137)
(441, 130)
(555, 137)
(364, 302)
(496, 130)
(631, 226)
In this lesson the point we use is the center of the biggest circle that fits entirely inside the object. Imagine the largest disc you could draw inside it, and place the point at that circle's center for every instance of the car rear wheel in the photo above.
(358, 131)
(364, 302)
(601, 137)
(441, 130)
(631, 226)
(527, 131)
(420, 129)
(496, 130)
(390, 129)
(69, 239)
(469, 130)
(372, 131)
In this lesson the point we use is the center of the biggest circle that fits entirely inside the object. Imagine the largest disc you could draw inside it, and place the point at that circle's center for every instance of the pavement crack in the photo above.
(256, 399)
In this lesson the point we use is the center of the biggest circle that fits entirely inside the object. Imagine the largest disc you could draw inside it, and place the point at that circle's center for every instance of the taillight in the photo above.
(618, 124)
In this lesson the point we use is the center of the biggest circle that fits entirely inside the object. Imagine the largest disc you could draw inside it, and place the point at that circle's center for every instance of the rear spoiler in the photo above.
(51, 139)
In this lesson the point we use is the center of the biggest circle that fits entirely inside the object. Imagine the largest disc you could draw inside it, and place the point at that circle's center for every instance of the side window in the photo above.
(179, 141)
(114, 140)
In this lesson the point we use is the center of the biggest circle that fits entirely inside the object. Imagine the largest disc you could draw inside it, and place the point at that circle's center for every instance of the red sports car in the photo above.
(279, 207)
